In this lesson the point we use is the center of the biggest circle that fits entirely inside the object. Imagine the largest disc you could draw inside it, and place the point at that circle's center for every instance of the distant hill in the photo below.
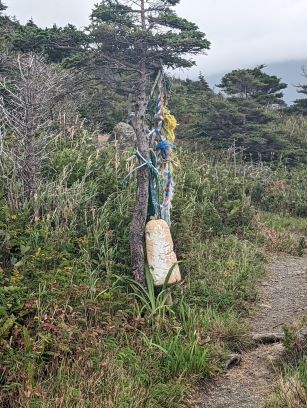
(290, 72)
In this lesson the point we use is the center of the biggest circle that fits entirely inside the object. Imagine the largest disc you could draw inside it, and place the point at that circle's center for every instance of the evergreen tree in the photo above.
(203, 84)
(55, 43)
(3, 7)
(7, 28)
(300, 105)
(250, 125)
(246, 115)
(254, 84)
(185, 101)
(136, 37)
(3, 21)
(242, 116)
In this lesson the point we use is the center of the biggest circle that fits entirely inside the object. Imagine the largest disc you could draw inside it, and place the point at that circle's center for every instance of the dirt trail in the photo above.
(283, 299)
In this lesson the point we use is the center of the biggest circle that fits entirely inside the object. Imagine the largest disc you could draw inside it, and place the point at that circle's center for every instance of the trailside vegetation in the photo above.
(76, 330)
(133, 40)
(249, 114)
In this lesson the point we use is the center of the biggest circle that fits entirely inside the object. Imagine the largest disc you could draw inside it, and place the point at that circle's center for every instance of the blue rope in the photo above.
(164, 146)
(147, 163)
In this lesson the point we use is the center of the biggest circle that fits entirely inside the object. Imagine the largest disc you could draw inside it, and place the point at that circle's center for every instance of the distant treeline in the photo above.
(249, 111)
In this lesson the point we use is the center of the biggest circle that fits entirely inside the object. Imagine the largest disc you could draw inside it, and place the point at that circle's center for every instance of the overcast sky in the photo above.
(243, 33)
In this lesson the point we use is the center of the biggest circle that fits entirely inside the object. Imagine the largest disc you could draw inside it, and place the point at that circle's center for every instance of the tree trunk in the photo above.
(137, 228)
(30, 167)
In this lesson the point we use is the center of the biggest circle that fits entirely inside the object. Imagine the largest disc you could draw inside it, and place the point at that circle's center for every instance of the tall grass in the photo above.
(291, 391)
(74, 329)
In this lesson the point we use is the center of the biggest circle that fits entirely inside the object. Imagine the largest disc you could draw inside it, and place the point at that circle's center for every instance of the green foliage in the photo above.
(103, 336)
(283, 191)
(254, 84)
(226, 275)
(7, 29)
(212, 198)
(55, 43)
(153, 306)
(291, 389)
(2, 6)
(185, 99)
(283, 233)
(73, 327)
(189, 357)
(283, 223)
(245, 122)
(102, 107)
(166, 37)
(300, 105)
(59, 295)
(295, 340)
(246, 117)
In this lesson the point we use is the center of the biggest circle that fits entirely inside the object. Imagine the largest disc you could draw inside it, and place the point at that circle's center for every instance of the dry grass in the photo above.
(289, 394)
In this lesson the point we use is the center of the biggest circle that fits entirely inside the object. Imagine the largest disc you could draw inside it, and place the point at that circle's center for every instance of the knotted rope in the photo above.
(160, 165)
(163, 144)
(148, 163)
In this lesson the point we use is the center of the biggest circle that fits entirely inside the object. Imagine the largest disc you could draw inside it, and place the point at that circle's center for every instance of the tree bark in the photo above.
(137, 229)
(30, 167)
(138, 224)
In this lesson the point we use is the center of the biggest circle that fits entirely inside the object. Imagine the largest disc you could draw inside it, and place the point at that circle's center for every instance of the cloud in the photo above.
(242, 32)
(47, 12)
(248, 32)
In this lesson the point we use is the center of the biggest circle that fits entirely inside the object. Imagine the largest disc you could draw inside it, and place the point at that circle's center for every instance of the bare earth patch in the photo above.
(283, 299)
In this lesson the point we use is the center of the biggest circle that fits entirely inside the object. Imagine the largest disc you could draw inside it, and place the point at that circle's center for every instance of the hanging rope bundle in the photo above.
(163, 145)
(161, 163)
(165, 149)
(161, 257)
(162, 159)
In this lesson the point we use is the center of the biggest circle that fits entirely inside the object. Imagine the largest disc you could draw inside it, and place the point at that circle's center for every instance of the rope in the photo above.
(165, 148)
(154, 209)
(170, 124)
(168, 194)
(161, 137)
(148, 163)
(163, 144)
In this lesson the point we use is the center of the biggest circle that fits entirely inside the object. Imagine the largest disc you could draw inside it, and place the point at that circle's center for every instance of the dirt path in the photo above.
(283, 299)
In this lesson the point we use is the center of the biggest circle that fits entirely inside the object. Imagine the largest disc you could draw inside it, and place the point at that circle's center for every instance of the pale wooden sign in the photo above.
(160, 253)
